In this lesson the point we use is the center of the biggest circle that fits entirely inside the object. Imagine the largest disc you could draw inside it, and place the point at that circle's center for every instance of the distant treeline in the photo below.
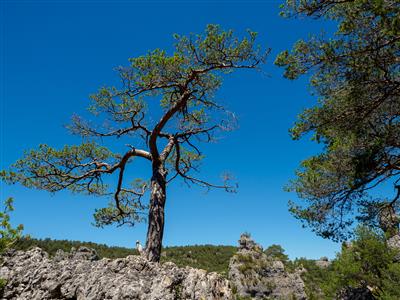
(207, 257)
(51, 246)
(367, 261)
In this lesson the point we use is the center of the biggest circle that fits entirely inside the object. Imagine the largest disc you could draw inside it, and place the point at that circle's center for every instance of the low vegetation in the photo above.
(8, 234)
(207, 257)
(366, 262)
(51, 246)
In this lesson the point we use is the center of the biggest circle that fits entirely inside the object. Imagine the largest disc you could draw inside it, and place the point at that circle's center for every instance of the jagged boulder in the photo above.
(388, 220)
(350, 293)
(254, 274)
(394, 243)
(323, 262)
(33, 275)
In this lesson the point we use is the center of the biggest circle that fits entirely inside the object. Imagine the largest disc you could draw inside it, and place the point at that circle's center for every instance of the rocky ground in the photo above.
(255, 275)
(82, 275)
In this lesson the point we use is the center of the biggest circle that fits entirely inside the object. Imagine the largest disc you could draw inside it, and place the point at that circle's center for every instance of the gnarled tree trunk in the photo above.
(155, 229)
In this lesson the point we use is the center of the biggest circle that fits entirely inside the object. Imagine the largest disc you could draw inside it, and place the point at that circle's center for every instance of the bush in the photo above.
(277, 252)
(368, 263)
(8, 234)
(317, 280)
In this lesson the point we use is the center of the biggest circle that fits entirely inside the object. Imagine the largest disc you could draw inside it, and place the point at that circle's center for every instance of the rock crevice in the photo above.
(254, 274)
(81, 275)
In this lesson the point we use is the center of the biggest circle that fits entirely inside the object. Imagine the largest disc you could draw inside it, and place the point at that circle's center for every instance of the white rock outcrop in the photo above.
(255, 275)
(33, 275)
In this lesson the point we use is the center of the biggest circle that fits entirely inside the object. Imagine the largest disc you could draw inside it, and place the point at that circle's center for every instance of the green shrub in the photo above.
(8, 234)
(277, 252)
(368, 261)
(207, 257)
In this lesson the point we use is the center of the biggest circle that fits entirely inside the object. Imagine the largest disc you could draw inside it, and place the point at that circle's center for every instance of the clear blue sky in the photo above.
(56, 53)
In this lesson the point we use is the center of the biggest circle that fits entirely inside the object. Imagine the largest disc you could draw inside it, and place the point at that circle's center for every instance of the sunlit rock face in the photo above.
(253, 274)
(394, 243)
(81, 275)
(389, 221)
(323, 262)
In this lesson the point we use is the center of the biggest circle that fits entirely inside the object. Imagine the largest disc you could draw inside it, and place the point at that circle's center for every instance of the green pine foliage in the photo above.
(277, 252)
(207, 257)
(8, 234)
(316, 279)
(180, 88)
(365, 262)
(51, 247)
(368, 262)
(355, 75)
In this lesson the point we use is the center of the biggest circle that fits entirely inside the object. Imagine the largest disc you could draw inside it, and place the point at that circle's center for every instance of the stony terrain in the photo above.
(254, 274)
(394, 243)
(80, 275)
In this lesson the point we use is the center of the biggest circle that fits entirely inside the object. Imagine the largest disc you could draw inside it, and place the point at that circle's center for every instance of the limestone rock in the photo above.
(33, 275)
(247, 244)
(394, 243)
(323, 262)
(389, 221)
(254, 274)
(355, 294)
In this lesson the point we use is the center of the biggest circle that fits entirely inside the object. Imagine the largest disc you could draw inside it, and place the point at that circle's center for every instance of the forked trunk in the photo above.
(155, 229)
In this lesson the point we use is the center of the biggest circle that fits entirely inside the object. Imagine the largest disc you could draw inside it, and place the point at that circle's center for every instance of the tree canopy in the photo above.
(167, 135)
(356, 75)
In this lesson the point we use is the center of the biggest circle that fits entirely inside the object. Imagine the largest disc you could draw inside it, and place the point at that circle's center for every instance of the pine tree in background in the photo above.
(356, 76)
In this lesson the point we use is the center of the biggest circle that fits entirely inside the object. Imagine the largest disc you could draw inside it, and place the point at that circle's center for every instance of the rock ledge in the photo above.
(81, 275)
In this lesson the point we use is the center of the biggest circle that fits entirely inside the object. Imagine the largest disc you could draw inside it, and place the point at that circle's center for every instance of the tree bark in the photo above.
(155, 229)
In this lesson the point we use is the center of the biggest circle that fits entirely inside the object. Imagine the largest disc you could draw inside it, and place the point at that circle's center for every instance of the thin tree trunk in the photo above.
(155, 229)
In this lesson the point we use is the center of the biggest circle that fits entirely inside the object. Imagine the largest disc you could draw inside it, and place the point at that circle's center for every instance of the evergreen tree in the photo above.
(356, 76)
(368, 263)
(184, 85)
